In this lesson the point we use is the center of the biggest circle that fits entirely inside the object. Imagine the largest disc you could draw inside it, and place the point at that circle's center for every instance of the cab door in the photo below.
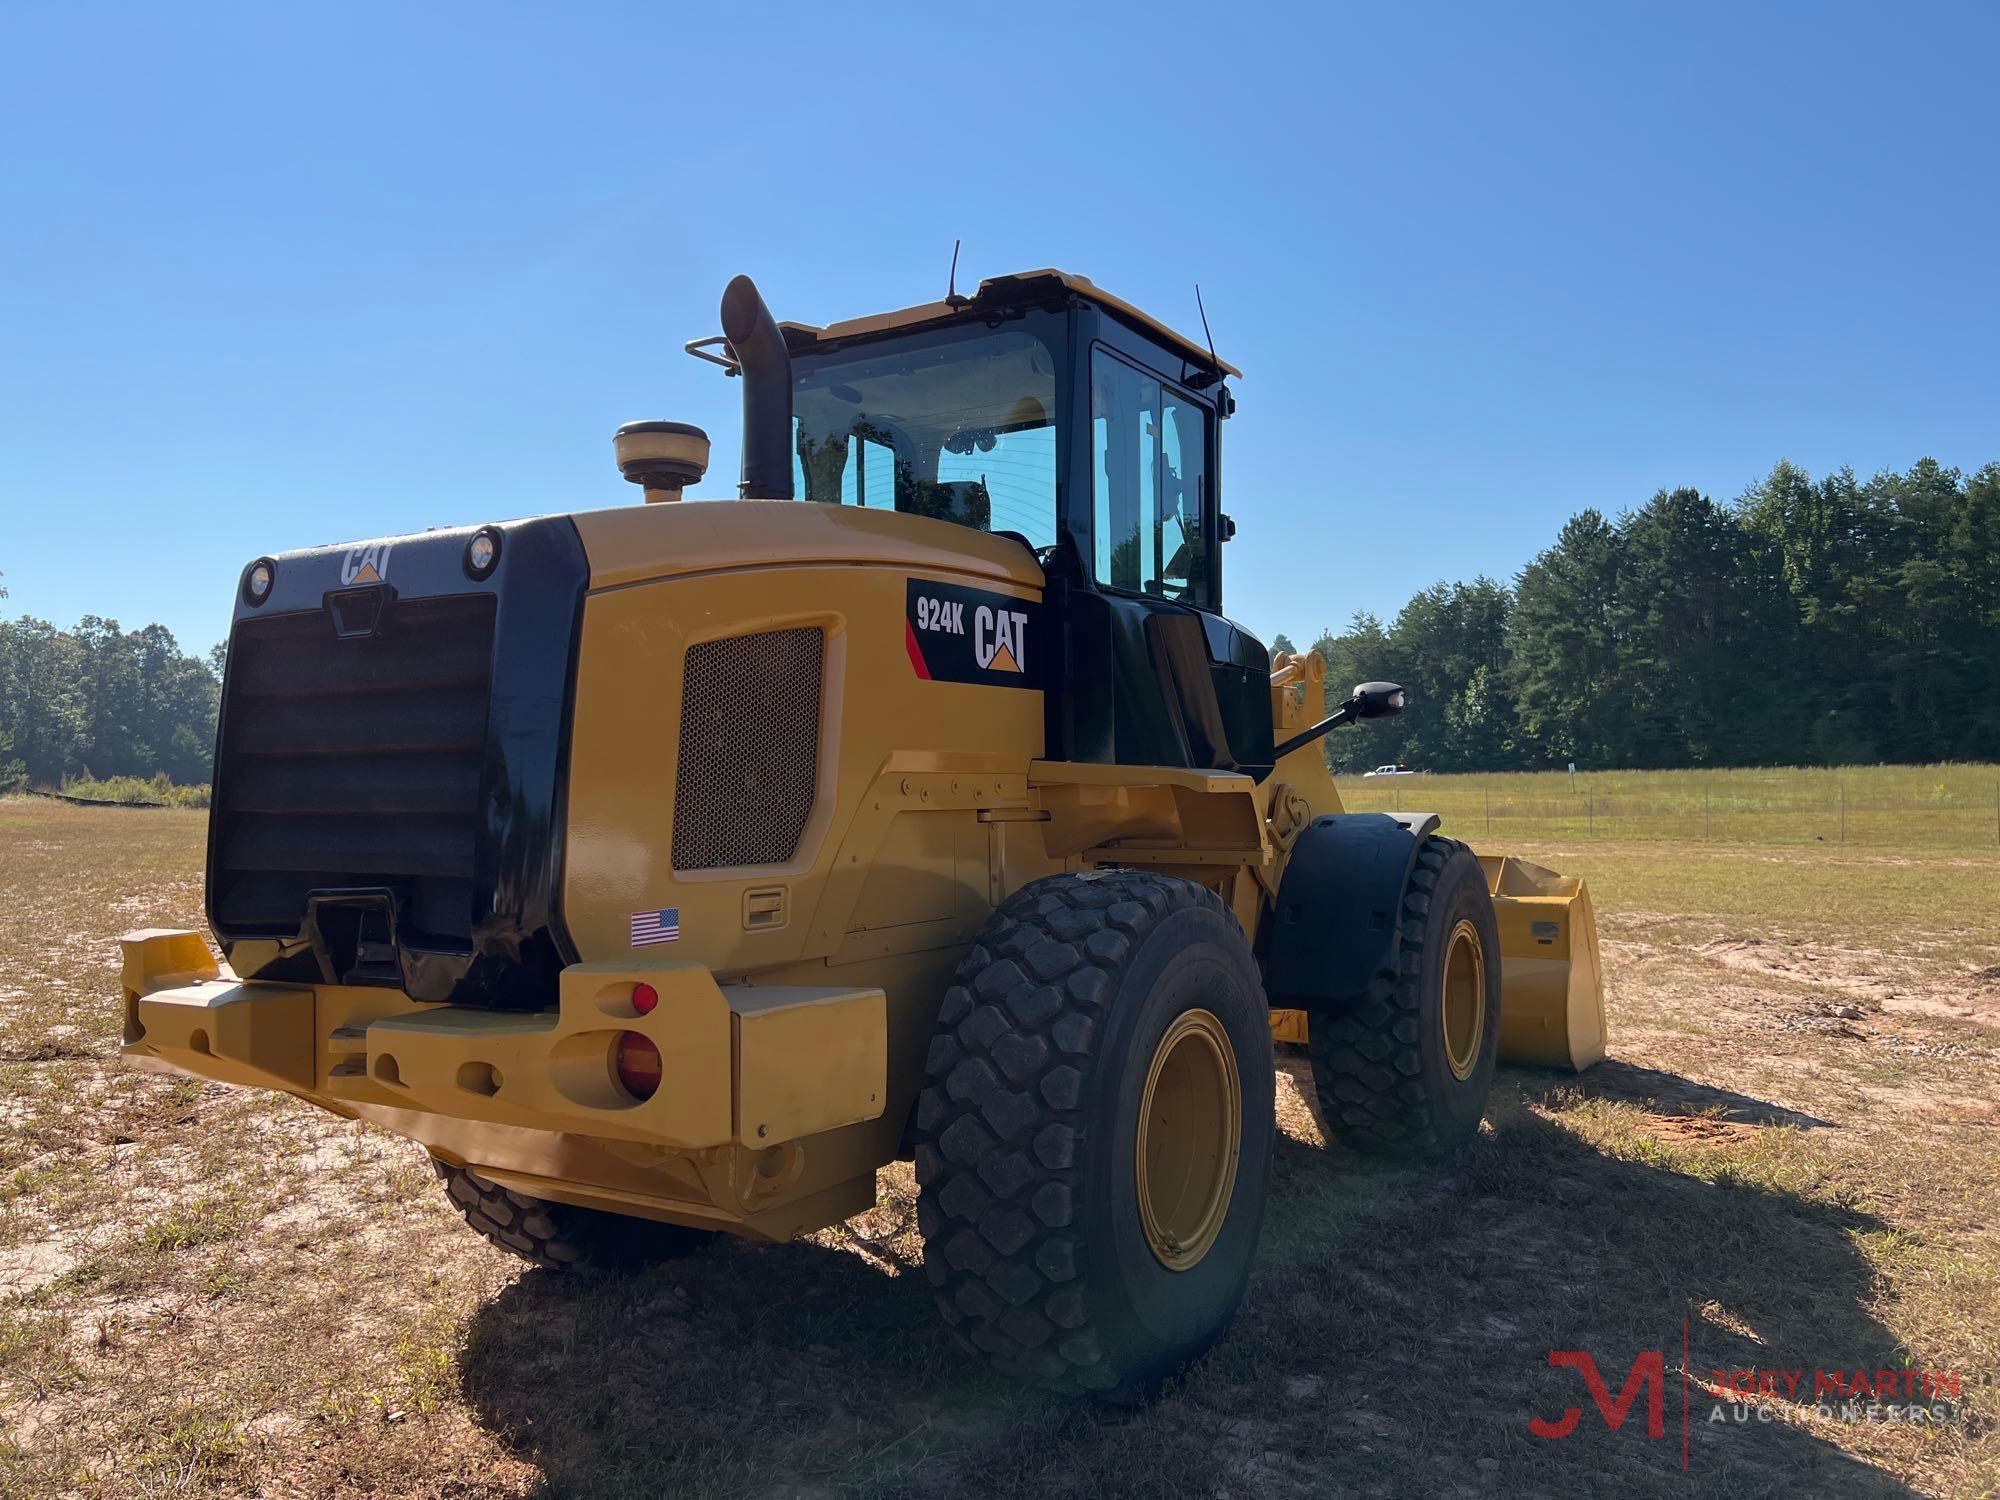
(1185, 686)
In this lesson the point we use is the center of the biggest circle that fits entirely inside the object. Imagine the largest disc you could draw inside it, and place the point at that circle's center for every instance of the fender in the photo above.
(1336, 926)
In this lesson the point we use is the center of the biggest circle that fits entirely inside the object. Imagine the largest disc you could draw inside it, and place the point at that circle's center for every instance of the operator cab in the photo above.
(1042, 408)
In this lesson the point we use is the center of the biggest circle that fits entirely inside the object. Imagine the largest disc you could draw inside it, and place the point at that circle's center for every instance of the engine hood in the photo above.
(634, 544)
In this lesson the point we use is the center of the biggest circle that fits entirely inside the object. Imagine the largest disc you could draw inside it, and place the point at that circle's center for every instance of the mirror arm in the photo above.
(1341, 715)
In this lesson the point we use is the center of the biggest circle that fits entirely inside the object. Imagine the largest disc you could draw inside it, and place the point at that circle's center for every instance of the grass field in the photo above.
(1792, 1153)
(1902, 807)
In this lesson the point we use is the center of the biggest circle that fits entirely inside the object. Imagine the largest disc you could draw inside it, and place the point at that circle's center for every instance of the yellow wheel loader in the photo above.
(666, 870)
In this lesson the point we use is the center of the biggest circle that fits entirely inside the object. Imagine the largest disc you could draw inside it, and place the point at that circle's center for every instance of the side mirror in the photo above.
(1376, 700)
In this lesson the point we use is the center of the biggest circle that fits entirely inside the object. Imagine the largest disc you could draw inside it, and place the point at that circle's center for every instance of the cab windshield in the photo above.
(957, 424)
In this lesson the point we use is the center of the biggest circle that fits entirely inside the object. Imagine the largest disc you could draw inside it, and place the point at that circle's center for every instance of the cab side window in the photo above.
(1149, 466)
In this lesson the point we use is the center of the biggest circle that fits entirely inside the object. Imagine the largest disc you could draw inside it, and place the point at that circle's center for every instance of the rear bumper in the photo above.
(748, 1071)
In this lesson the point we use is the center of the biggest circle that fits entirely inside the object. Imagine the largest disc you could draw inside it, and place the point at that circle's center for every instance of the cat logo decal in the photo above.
(368, 563)
(959, 634)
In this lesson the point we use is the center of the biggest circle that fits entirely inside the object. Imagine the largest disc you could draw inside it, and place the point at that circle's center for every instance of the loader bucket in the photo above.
(1552, 989)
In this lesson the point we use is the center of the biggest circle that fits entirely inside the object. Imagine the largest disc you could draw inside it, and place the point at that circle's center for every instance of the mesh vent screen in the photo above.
(749, 754)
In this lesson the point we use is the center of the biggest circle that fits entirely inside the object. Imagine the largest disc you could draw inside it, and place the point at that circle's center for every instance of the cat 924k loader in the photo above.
(666, 870)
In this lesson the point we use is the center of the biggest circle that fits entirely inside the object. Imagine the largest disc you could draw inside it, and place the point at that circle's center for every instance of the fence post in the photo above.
(1843, 810)
(1589, 815)
(1489, 807)
(1704, 816)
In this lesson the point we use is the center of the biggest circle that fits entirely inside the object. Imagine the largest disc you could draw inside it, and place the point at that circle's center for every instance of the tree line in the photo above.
(1829, 621)
(102, 701)
(1832, 621)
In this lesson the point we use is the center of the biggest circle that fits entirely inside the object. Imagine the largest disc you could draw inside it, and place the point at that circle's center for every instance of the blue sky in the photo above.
(273, 276)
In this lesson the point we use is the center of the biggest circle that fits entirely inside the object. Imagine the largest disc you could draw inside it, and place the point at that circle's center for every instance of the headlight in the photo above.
(257, 580)
(482, 553)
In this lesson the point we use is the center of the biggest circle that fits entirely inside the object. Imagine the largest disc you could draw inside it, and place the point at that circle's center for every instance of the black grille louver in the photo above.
(348, 763)
(389, 768)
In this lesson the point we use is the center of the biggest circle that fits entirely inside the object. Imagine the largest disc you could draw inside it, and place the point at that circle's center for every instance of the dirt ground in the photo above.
(1789, 1164)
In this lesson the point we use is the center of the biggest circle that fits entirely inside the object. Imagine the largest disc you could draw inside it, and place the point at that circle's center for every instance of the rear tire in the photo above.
(561, 1236)
(1093, 1142)
(1405, 1070)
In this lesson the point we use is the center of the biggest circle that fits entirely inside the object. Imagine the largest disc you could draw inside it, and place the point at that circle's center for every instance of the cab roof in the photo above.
(1021, 288)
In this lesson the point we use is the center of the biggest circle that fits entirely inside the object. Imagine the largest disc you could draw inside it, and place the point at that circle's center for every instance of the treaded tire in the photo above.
(1379, 1065)
(561, 1236)
(1025, 1132)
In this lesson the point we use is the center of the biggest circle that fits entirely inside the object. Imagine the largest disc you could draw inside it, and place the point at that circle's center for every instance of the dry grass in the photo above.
(204, 1290)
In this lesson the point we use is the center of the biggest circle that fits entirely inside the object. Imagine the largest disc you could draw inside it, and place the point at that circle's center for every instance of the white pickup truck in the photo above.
(1387, 771)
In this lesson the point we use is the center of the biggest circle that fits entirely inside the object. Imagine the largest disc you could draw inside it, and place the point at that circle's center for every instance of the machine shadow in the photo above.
(736, 1368)
(1396, 1336)
(1675, 1097)
(1440, 1295)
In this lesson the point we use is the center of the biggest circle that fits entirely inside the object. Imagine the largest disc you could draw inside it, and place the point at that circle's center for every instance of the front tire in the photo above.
(1093, 1142)
(1405, 1070)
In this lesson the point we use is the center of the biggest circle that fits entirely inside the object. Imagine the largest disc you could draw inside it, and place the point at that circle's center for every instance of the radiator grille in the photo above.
(749, 752)
(353, 763)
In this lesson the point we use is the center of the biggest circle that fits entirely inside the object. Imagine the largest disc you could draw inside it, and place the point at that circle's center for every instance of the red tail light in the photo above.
(638, 1064)
(644, 998)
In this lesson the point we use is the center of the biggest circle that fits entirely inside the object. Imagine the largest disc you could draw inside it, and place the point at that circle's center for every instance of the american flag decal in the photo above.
(650, 927)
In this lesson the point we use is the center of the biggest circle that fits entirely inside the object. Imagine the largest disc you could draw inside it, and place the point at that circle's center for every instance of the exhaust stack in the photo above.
(759, 349)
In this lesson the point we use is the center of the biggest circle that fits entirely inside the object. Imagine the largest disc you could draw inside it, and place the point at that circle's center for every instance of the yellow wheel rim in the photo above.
(1464, 1008)
(1190, 1131)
